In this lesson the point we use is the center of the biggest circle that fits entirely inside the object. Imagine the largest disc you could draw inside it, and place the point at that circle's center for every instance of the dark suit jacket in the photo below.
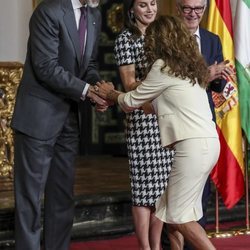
(54, 76)
(211, 50)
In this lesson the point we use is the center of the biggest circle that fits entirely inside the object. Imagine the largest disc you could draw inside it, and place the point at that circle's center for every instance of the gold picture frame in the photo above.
(35, 3)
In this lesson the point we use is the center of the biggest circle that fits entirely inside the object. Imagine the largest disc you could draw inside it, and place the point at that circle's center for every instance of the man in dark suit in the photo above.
(56, 78)
(191, 12)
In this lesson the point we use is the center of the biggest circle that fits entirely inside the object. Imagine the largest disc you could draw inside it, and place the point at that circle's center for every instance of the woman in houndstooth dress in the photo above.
(149, 163)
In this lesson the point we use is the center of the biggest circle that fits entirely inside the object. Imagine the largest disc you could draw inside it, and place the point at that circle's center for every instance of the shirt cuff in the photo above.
(84, 92)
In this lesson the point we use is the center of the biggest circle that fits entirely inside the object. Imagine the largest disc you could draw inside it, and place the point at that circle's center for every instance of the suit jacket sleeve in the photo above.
(218, 84)
(51, 59)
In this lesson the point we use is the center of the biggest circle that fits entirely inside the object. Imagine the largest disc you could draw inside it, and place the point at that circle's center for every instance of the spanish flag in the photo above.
(228, 174)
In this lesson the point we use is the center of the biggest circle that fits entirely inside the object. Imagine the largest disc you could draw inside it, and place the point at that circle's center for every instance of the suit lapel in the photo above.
(204, 46)
(69, 20)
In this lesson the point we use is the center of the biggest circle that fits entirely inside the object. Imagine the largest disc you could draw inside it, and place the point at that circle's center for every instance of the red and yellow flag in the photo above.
(228, 174)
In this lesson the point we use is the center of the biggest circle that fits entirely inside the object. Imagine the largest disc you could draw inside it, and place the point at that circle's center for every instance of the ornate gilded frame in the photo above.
(10, 75)
(35, 3)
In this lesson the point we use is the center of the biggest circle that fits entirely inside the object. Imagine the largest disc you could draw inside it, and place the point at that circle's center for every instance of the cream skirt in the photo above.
(194, 159)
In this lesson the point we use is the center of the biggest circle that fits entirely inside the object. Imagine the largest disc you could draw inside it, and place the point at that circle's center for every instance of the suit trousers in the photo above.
(44, 170)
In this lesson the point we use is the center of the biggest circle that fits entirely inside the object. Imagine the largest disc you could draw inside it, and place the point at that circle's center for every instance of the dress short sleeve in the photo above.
(124, 49)
(129, 50)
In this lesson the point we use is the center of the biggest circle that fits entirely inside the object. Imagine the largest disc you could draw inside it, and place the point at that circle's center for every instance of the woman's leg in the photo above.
(195, 235)
(175, 237)
(155, 229)
(141, 216)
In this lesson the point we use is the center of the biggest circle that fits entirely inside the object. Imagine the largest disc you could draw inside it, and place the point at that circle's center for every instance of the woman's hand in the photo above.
(106, 90)
(94, 98)
(148, 108)
(103, 89)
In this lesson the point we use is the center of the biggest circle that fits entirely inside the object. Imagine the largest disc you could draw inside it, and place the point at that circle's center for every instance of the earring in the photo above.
(131, 15)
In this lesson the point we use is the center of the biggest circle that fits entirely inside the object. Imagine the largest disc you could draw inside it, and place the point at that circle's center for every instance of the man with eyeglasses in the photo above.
(191, 12)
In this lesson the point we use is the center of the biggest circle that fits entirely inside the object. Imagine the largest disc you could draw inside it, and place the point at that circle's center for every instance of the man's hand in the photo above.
(222, 70)
(101, 108)
(100, 104)
(229, 73)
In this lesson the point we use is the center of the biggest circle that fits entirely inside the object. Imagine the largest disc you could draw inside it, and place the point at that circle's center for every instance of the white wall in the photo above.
(14, 18)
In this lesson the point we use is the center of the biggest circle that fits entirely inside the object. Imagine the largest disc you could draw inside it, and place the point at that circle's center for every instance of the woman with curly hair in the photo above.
(175, 81)
(149, 163)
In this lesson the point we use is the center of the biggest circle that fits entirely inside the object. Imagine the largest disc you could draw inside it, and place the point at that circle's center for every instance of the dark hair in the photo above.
(167, 38)
(129, 19)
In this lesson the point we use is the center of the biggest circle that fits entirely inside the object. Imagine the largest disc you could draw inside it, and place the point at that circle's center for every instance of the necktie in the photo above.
(82, 27)
(197, 41)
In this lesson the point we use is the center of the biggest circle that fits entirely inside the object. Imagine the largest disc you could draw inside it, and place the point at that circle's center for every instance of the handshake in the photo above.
(103, 95)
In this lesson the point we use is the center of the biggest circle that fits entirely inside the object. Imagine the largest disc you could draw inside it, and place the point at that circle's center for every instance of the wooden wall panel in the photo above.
(166, 7)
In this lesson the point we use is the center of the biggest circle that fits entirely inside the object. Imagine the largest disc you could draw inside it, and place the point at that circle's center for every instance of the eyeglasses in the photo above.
(188, 10)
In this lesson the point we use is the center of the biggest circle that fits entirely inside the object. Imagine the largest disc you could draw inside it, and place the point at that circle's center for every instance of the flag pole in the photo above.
(218, 233)
(246, 231)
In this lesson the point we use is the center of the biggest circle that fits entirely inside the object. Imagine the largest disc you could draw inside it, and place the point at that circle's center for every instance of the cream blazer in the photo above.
(182, 108)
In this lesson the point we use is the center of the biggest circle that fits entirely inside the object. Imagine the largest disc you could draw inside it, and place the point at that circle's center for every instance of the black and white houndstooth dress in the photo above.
(149, 163)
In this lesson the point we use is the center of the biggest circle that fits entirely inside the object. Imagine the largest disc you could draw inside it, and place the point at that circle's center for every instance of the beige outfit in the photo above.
(185, 121)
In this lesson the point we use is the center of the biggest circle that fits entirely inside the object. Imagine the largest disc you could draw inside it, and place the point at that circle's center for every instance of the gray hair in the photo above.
(180, 1)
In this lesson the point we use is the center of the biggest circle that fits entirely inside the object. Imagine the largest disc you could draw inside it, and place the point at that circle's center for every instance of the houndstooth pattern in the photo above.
(128, 51)
(149, 163)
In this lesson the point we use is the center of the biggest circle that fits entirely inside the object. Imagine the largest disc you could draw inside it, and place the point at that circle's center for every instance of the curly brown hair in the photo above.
(167, 38)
